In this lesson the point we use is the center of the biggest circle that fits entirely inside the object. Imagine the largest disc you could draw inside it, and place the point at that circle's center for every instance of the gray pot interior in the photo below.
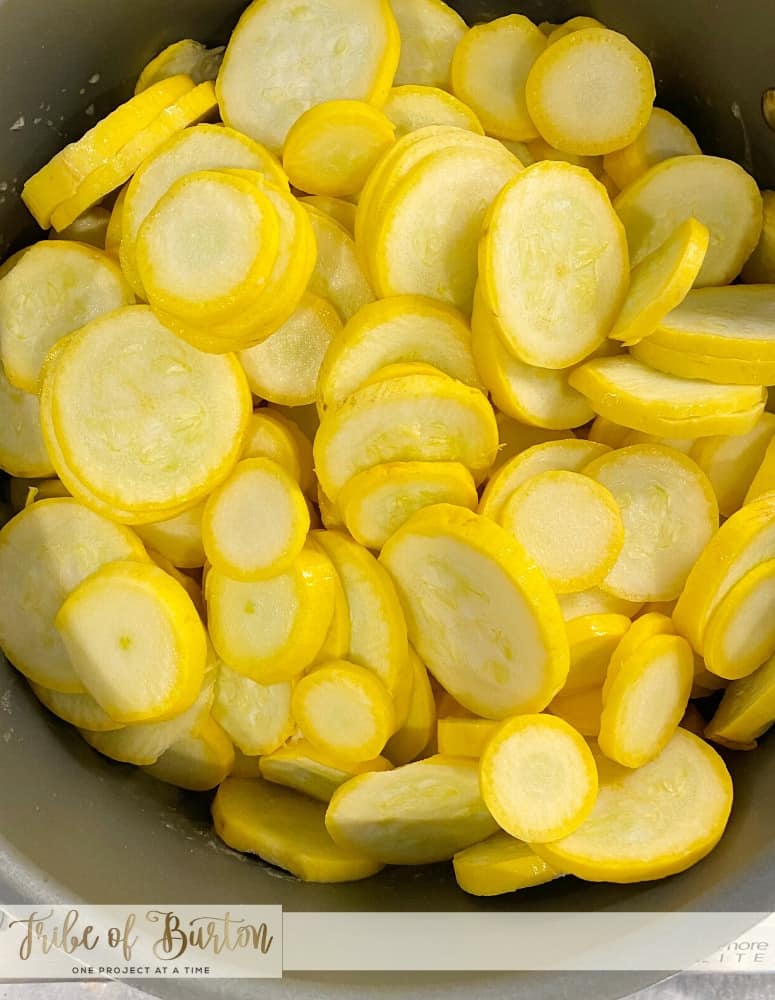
(76, 826)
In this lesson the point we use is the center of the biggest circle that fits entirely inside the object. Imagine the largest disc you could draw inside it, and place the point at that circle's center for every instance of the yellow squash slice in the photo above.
(306, 769)
(592, 640)
(256, 717)
(55, 288)
(278, 295)
(430, 33)
(75, 486)
(723, 371)
(554, 314)
(90, 228)
(683, 445)
(569, 525)
(377, 502)
(669, 511)
(338, 209)
(271, 630)
(408, 153)
(416, 732)
(421, 812)
(195, 106)
(337, 640)
(282, 59)
(760, 266)
(538, 778)
(515, 437)
(269, 436)
(255, 523)
(734, 324)
(740, 634)
(428, 418)
(23, 451)
(206, 250)
(747, 709)
(489, 72)
(716, 192)
(188, 57)
(377, 628)
(113, 234)
(540, 149)
(661, 282)
(643, 628)
(663, 137)
(338, 276)
(197, 762)
(36, 577)
(188, 583)
(125, 380)
(590, 92)
(580, 709)
(330, 515)
(607, 432)
(559, 31)
(650, 822)
(413, 107)
(764, 480)
(458, 736)
(285, 829)
(135, 641)
(178, 539)
(645, 700)
(406, 328)
(203, 147)
(284, 368)
(743, 542)
(333, 147)
(595, 602)
(539, 396)
(59, 179)
(730, 463)
(480, 614)
(419, 247)
(79, 709)
(498, 865)
(143, 743)
(550, 456)
(344, 710)
(644, 399)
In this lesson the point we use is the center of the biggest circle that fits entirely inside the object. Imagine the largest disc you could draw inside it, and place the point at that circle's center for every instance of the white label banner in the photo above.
(260, 942)
(139, 942)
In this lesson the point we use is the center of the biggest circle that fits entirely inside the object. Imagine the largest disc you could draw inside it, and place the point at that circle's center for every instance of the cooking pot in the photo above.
(74, 825)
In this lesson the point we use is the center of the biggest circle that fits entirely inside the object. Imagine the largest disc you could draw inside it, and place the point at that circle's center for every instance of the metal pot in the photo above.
(73, 825)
